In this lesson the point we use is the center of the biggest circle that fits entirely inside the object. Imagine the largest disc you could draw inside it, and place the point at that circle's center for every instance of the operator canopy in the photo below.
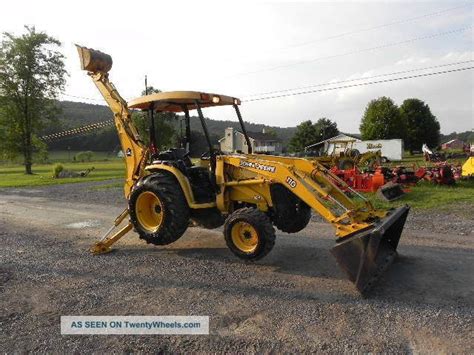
(176, 101)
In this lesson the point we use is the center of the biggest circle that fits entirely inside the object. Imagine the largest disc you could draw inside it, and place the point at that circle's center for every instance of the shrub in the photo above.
(57, 168)
(84, 156)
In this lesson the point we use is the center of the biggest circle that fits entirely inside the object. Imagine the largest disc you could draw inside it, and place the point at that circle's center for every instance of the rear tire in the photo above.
(290, 214)
(249, 233)
(158, 209)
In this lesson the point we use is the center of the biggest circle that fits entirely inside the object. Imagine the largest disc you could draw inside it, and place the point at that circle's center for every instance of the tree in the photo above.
(326, 129)
(306, 134)
(382, 120)
(199, 145)
(422, 125)
(32, 75)
(165, 133)
(270, 131)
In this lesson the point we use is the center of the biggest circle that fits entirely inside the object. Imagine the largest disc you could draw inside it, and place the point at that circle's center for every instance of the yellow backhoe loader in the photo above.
(247, 193)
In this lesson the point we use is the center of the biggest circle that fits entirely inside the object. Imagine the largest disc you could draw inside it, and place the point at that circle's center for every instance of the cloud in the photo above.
(458, 56)
(413, 60)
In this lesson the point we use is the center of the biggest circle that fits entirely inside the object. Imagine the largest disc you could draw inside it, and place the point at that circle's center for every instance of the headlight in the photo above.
(216, 99)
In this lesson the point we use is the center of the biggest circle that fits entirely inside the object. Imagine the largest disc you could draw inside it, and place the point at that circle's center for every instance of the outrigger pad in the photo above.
(365, 255)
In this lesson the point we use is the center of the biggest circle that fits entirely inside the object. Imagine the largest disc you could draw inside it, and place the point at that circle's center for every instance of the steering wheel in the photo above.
(211, 154)
(206, 155)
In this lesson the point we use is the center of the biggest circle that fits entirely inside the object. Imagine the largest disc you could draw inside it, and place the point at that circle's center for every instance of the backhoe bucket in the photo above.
(390, 192)
(94, 61)
(365, 255)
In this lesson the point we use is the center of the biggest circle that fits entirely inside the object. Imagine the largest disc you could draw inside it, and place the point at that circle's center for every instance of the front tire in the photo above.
(158, 209)
(249, 234)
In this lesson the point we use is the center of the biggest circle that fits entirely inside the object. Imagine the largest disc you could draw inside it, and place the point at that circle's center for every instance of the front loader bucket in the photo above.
(94, 61)
(390, 192)
(365, 255)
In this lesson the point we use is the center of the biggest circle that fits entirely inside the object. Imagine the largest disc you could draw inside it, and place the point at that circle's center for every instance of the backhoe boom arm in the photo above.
(136, 154)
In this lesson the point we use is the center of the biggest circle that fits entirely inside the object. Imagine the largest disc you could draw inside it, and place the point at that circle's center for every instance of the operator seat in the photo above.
(177, 157)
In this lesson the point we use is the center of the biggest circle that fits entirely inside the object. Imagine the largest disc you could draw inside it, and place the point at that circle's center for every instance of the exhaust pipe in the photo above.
(94, 61)
(366, 255)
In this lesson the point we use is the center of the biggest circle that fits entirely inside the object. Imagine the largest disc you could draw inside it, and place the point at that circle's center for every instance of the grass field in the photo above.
(63, 156)
(426, 195)
(14, 175)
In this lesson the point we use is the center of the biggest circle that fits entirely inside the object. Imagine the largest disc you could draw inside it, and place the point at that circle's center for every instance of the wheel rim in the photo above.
(244, 237)
(149, 210)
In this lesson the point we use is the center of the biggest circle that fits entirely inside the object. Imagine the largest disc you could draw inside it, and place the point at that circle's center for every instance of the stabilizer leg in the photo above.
(103, 246)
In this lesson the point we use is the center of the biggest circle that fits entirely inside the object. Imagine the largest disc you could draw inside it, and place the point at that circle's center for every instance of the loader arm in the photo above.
(310, 181)
(135, 152)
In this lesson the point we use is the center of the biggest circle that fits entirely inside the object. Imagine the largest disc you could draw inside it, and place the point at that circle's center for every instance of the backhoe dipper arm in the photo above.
(98, 64)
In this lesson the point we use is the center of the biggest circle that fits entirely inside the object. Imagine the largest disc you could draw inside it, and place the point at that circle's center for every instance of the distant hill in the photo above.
(217, 128)
(76, 114)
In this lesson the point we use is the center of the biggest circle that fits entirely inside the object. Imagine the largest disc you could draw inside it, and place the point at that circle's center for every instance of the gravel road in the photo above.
(294, 300)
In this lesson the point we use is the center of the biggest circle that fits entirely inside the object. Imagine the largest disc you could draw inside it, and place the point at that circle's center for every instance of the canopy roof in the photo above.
(173, 101)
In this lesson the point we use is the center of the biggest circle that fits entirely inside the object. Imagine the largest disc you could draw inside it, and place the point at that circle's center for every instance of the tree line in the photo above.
(412, 122)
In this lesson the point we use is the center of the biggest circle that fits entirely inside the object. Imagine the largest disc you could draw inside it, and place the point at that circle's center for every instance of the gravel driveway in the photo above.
(294, 300)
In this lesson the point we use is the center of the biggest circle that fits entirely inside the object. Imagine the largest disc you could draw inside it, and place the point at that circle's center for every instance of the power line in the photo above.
(354, 52)
(359, 84)
(366, 29)
(77, 131)
(82, 97)
(359, 79)
(86, 98)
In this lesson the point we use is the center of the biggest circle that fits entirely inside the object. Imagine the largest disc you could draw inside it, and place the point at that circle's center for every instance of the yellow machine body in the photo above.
(246, 179)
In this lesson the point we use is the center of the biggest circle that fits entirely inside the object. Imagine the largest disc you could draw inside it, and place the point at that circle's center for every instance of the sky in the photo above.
(245, 48)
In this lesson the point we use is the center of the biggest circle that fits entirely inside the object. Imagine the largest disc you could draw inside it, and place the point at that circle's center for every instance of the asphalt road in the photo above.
(295, 299)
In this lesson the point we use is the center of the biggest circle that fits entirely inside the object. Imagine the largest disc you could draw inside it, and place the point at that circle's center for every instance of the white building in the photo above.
(389, 148)
(234, 141)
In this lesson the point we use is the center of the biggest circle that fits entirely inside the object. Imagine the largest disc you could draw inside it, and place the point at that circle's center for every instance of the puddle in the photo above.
(91, 223)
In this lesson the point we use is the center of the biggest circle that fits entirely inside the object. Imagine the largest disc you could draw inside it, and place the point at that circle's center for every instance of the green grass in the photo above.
(63, 156)
(68, 156)
(409, 160)
(14, 175)
(429, 196)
